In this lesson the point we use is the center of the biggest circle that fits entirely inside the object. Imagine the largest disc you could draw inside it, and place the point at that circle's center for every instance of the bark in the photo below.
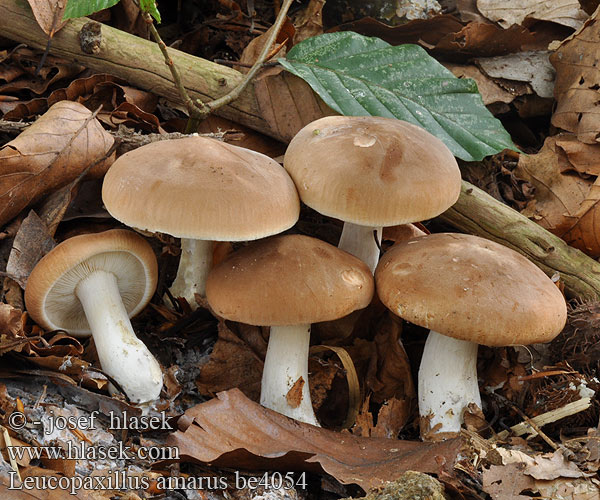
(138, 61)
(476, 212)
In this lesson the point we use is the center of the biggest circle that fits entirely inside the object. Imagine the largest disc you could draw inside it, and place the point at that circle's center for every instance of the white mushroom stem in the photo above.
(286, 365)
(122, 355)
(360, 242)
(447, 381)
(194, 264)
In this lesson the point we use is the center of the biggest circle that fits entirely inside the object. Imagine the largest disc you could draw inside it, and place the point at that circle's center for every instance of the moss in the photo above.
(410, 486)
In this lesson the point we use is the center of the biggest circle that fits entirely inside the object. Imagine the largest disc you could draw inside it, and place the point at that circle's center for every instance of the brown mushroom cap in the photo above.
(201, 188)
(471, 289)
(372, 171)
(50, 292)
(289, 280)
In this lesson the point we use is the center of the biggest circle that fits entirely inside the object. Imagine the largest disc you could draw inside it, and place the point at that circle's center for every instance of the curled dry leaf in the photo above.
(577, 88)
(233, 431)
(565, 203)
(52, 152)
(565, 12)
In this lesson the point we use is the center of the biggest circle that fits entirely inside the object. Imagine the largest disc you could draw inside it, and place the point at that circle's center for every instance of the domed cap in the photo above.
(288, 280)
(201, 188)
(472, 289)
(50, 293)
(372, 171)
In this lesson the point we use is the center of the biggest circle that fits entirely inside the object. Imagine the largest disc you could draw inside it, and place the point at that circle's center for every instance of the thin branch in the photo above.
(235, 93)
(199, 110)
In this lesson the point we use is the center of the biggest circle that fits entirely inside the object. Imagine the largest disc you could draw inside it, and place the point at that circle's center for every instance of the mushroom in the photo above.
(200, 190)
(468, 291)
(371, 172)
(287, 283)
(93, 283)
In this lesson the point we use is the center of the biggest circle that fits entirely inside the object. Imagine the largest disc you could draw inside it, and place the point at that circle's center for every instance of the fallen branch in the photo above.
(140, 62)
(476, 212)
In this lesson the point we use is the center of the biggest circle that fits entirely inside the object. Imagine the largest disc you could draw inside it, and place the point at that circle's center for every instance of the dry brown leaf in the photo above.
(309, 22)
(490, 91)
(509, 482)
(232, 431)
(294, 395)
(31, 243)
(10, 321)
(577, 87)
(565, 12)
(236, 361)
(557, 205)
(253, 49)
(21, 73)
(49, 154)
(49, 14)
(530, 66)
(287, 102)
(584, 158)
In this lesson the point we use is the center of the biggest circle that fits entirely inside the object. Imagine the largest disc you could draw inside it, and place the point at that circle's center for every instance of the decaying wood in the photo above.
(138, 61)
(478, 213)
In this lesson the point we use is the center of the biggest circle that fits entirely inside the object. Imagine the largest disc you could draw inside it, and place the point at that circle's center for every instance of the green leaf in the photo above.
(150, 6)
(82, 8)
(358, 75)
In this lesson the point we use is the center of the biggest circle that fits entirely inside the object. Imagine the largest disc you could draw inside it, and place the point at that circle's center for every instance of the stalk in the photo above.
(194, 264)
(285, 363)
(360, 242)
(447, 381)
(122, 355)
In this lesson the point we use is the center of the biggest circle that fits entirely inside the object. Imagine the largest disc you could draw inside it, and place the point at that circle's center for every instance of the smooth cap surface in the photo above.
(289, 280)
(472, 289)
(201, 188)
(372, 171)
(50, 293)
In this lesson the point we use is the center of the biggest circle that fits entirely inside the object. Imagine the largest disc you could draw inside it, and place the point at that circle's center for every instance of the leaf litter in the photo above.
(230, 430)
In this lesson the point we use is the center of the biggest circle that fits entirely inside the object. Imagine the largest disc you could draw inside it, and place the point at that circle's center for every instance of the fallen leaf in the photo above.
(49, 14)
(490, 91)
(564, 204)
(532, 67)
(565, 12)
(584, 158)
(309, 21)
(49, 154)
(31, 243)
(236, 361)
(508, 482)
(287, 102)
(577, 88)
(232, 431)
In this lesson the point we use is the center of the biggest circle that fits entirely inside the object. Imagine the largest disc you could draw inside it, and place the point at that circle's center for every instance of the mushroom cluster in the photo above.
(369, 172)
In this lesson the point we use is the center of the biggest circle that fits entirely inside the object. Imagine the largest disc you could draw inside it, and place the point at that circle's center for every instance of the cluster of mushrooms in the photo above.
(369, 172)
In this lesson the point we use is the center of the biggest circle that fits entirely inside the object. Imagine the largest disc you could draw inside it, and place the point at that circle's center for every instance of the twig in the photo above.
(199, 110)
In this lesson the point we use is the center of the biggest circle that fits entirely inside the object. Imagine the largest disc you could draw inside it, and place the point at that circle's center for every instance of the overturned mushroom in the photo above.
(94, 283)
(287, 283)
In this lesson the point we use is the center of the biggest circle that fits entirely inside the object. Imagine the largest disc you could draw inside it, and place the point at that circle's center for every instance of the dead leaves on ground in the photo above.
(577, 88)
(567, 195)
(52, 152)
(232, 431)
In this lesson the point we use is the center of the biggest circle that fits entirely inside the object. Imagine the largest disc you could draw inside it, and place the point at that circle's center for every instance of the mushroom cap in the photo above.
(288, 280)
(471, 289)
(201, 188)
(50, 293)
(372, 171)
